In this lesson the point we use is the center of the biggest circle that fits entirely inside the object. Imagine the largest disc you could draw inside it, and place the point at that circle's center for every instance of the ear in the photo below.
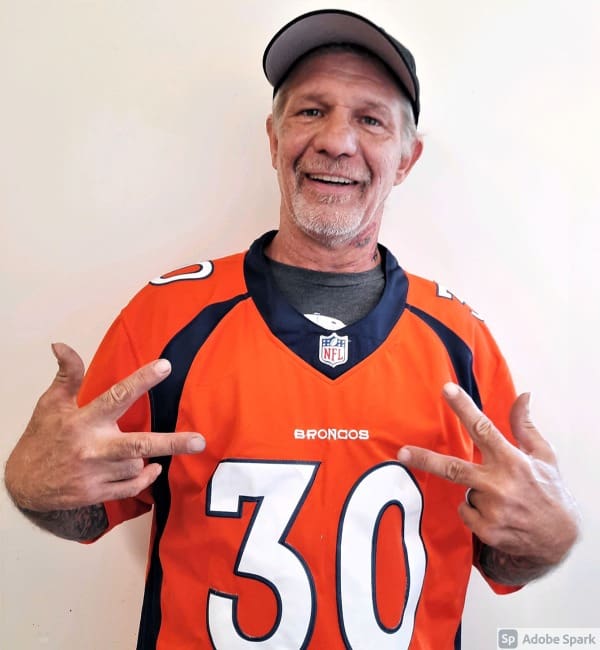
(272, 140)
(406, 162)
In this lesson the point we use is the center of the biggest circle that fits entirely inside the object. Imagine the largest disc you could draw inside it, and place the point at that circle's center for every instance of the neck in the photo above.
(296, 248)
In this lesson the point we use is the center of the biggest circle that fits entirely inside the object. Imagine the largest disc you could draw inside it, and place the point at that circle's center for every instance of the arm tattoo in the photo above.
(509, 569)
(78, 524)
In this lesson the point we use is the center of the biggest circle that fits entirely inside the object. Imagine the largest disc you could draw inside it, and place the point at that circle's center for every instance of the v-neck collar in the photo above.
(308, 340)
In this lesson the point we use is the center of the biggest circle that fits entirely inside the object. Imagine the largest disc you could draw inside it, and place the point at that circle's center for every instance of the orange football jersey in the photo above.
(296, 527)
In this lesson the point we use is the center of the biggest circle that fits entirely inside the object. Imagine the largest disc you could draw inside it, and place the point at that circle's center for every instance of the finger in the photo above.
(525, 432)
(152, 445)
(450, 468)
(132, 487)
(123, 470)
(487, 532)
(484, 434)
(471, 517)
(68, 379)
(113, 403)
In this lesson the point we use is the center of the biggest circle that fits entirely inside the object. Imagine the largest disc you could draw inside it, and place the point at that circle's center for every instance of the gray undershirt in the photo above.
(347, 297)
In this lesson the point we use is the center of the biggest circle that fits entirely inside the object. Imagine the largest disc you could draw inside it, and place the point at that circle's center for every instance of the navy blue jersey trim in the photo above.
(302, 336)
(461, 357)
(460, 353)
(164, 406)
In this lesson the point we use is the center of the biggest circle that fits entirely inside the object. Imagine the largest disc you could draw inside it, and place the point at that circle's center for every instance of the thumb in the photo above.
(525, 432)
(70, 371)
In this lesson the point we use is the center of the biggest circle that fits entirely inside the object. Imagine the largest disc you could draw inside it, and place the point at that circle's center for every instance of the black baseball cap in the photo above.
(335, 26)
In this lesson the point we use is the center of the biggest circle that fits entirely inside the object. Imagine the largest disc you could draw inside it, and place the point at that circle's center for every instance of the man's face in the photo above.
(336, 144)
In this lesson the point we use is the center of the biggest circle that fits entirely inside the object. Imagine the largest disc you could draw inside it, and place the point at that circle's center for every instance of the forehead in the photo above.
(324, 69)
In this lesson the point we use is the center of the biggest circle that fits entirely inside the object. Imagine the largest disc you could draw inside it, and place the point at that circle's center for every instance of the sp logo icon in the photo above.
(508, 638)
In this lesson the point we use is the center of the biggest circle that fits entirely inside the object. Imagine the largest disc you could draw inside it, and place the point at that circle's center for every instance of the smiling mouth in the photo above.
(328, 179)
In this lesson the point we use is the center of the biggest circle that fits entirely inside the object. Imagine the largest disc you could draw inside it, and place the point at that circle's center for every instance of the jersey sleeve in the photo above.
(114, 360)
(497, 391)
(497, 394)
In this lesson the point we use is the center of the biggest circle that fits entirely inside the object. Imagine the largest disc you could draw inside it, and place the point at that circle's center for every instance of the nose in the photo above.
(336, 135)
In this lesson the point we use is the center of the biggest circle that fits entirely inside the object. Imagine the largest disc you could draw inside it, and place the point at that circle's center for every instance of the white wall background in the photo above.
(132, 141)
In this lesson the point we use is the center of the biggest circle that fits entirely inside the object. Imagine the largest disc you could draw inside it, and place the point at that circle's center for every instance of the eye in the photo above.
(310, 112)
(371, 121)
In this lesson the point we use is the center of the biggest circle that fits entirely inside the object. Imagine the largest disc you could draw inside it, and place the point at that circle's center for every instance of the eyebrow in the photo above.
(321, 98)
(377, 106)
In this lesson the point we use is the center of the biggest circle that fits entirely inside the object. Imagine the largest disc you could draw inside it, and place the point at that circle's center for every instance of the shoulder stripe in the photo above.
(459, 352)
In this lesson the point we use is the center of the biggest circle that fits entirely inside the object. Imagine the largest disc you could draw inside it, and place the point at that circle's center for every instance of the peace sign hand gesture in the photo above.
(71, 457)
(516, 500)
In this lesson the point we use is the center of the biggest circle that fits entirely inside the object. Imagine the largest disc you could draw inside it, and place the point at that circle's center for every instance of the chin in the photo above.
(330, 227)
(328, 234)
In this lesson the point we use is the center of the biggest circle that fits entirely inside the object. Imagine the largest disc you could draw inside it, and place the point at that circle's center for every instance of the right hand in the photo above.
(70, 457)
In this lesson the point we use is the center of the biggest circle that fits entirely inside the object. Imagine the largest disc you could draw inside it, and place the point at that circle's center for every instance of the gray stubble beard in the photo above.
(336, 228)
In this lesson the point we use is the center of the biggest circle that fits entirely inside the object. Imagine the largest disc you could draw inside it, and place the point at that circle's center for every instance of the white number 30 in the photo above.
(279, 490)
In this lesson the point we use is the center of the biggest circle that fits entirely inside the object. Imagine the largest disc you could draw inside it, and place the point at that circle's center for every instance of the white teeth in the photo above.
(331, 179)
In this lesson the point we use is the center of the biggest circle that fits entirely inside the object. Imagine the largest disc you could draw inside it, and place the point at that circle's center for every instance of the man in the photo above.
(324, 505)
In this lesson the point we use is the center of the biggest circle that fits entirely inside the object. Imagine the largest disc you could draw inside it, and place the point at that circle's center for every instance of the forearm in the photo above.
(509, 569)
(79, 524)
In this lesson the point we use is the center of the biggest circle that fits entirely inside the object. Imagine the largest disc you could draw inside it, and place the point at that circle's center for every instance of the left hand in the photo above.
(519, 503)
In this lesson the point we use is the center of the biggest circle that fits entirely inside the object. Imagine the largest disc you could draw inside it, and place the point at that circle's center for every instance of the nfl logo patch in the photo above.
(333, 350)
